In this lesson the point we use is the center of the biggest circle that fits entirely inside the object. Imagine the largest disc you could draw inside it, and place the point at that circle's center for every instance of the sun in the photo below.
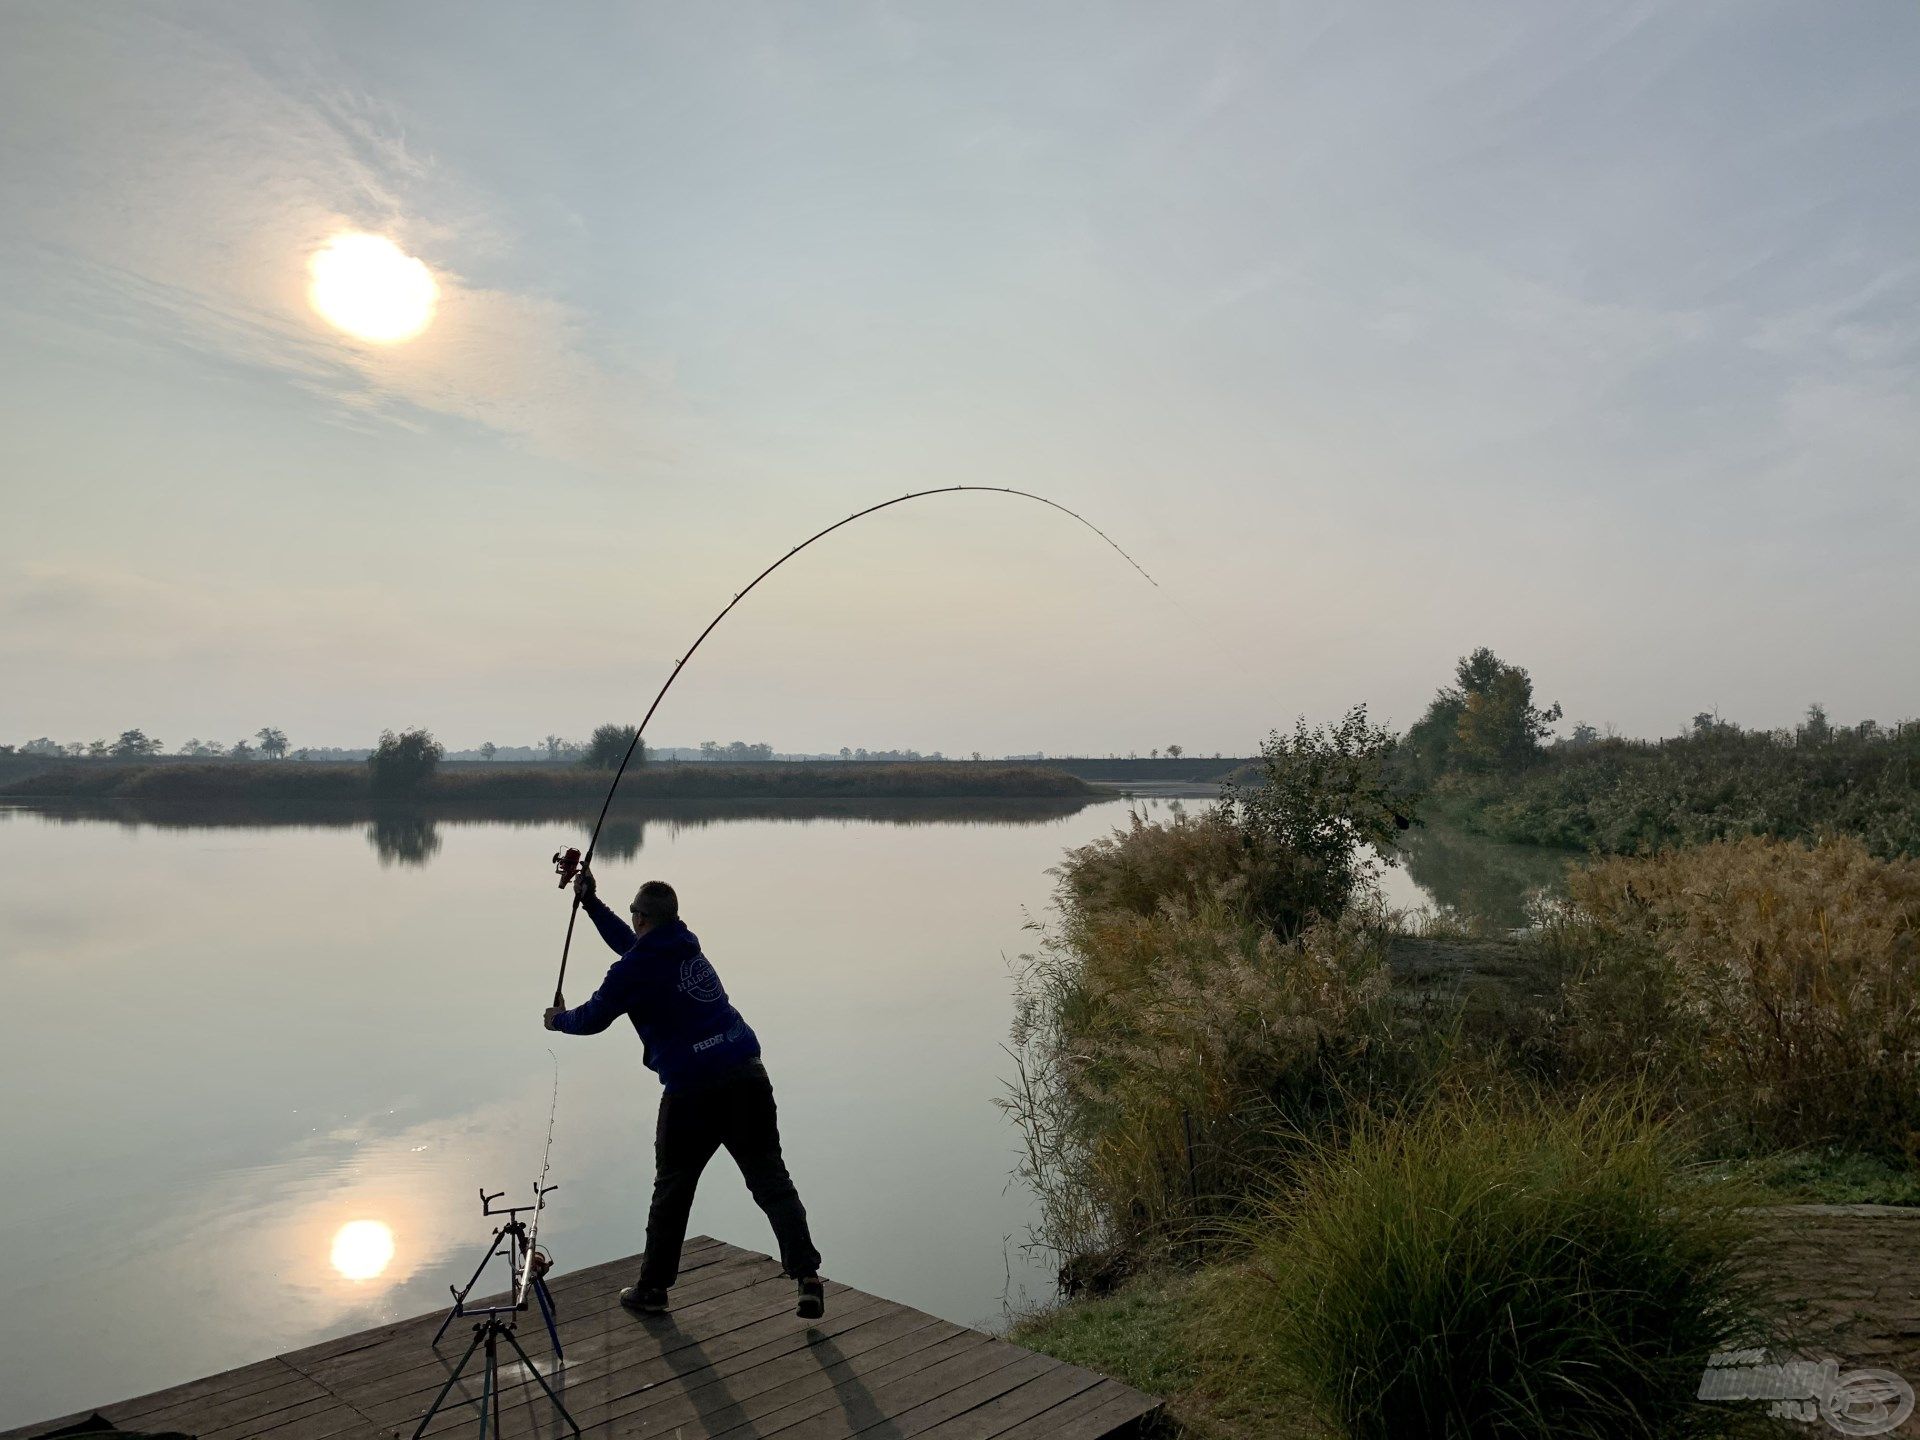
(362, 1249)
(369, 287)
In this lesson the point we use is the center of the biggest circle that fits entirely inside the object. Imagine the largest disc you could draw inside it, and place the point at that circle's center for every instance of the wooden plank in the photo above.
(730, 1359)
(1109, 1409)
(907, 1381)
(615, 1342)
(571, 1291)
(731, 1393)
(594, 1344)
(217, 1411)
(332, 1419)
(1044, 1392)
(261, 1374)
(958, 1400)
(586, 1315)
(644, 1358)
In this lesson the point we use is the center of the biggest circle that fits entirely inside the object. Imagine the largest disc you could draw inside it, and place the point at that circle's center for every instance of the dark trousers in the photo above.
(737, 1112)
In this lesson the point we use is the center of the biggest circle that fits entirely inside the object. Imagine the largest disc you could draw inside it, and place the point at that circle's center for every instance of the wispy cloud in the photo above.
(185, 218)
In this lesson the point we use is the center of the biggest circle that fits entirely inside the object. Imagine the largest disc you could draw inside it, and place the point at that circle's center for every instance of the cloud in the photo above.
(183, 213)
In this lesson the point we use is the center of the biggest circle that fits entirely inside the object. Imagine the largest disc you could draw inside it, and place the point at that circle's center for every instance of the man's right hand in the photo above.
(583, 886)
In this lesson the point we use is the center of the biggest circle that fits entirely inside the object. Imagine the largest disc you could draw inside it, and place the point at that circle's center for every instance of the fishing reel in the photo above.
(567, 864)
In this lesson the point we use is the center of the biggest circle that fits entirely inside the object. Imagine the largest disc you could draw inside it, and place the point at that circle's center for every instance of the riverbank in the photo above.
(1315, 1167)
(483, 787)
(1855, 1269)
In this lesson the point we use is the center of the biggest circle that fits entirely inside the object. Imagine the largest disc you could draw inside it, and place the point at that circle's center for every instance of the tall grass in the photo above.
(1773, 984)
(1495, 1268)
(1169, 1044)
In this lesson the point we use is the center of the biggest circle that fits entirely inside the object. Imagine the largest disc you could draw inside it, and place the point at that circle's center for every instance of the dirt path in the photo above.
(1857, 1270)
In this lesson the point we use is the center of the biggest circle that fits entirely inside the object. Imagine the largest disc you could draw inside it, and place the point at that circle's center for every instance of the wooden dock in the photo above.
(731, 1359)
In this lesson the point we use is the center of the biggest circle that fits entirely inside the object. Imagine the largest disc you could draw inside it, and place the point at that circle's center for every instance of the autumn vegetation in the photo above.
(1302, 1196)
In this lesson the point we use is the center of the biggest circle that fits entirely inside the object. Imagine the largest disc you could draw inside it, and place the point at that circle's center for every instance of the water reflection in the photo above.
(413, 837)
(404, 839)
(1482, 881)
(362, 1249)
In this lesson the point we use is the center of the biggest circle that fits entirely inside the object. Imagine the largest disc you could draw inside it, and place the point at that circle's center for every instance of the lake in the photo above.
(225, 1043)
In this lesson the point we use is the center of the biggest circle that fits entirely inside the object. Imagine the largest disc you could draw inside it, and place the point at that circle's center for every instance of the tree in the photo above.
(403, 762)
(97, 748)
(1486, 719)
(44, 745)
(846, 754)
(1816, 729)
(134, 745)
(1499, 726)
(554, 746)
(608, 747)
(272, 742)
(1583, 736)
(1155, 752)
(709, 749)
(488, 749)
(1324, 793)
(1174, 752)
(242, 750)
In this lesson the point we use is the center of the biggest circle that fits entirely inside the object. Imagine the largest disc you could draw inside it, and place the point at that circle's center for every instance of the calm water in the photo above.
(226, 1043)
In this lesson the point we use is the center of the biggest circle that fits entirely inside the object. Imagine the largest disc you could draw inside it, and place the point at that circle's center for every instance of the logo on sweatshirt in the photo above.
(698, 980)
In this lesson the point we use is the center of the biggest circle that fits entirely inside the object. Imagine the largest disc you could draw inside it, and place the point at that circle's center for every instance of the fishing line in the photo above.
(572, 862)
(535, 1261)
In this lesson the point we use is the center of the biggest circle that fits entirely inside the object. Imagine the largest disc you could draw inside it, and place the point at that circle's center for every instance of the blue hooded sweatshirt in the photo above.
(689, 1033)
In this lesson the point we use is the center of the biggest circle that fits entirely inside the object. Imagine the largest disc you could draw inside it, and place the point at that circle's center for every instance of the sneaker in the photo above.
(813, 1298)
(647, 1299)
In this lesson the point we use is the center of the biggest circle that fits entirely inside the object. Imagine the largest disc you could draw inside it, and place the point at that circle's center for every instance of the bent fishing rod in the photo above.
(571, 863)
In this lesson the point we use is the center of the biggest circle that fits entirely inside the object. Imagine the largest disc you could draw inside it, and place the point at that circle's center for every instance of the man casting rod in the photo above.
(573, 863)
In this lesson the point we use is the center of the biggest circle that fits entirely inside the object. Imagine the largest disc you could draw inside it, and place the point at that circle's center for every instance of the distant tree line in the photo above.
(1482, 752)
(603, 749)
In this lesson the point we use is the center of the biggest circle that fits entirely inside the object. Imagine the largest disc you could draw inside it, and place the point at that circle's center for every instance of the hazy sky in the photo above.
(1376, 332)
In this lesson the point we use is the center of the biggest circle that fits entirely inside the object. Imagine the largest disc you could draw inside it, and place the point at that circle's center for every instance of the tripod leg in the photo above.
(493, 1381)
(490, 1388)
(440, 1399)
(541, 1293)
(527, 1360)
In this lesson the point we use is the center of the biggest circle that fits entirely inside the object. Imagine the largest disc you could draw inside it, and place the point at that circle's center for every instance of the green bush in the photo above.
(404, 762)
(1496, 1269)
(1635, 797)
(609, 745)
(1326, 804)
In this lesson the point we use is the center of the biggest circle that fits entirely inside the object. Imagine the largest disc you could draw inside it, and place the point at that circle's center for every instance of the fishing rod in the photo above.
(569, 863)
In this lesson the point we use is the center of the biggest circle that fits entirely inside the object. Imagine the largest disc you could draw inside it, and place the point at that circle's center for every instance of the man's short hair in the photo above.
(656, 904)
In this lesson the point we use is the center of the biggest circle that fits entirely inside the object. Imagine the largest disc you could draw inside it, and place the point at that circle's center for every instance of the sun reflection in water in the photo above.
(362, 1249)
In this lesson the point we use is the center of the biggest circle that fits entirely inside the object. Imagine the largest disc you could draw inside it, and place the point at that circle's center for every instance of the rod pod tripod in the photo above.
(529, 1267)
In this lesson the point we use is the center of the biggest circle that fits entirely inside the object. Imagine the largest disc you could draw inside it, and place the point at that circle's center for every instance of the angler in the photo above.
(715, 1090)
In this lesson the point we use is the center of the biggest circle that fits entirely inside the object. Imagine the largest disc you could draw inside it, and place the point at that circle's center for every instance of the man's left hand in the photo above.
(547, 1019)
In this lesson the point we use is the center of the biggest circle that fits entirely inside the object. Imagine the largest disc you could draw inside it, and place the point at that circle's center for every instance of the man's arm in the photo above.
(615, 931)
(614, 998)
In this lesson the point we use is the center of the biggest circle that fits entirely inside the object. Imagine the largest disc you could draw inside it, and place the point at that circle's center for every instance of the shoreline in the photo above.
(284, 782)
